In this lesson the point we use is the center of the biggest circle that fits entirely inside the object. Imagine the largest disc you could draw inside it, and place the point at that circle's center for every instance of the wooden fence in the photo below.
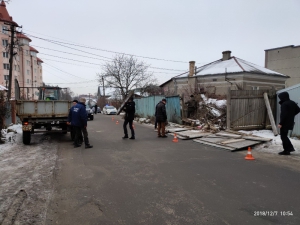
(246, 109)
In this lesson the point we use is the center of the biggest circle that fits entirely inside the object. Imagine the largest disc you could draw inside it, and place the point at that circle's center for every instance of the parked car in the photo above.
(109, 110)
(89, 112)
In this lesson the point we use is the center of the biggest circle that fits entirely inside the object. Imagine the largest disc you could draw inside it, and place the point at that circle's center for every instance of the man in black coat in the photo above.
(289, 109)
(129, 109)
(192, 107)
(161, 118)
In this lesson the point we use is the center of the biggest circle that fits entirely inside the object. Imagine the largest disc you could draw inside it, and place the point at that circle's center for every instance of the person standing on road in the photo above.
(289, 109)
(161, 118)
(78, 119)
(96, 108)
(74, 102)
(129, 109)
(155, 123)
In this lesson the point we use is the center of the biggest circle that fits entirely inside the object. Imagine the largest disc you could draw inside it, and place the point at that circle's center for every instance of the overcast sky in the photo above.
(177, 30)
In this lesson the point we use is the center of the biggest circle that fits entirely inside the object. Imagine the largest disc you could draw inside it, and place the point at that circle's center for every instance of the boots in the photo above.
(88, 146)
(126, 136)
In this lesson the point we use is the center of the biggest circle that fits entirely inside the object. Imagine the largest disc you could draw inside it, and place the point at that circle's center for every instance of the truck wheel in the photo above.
(26, 137)
(91, 117)
(64, 128)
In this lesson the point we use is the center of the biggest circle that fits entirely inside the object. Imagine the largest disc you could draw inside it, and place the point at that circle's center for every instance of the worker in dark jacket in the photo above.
(289, 109)
(74, 102)
(78, 119)
(129, 109)
(161, 118)
(192, 107)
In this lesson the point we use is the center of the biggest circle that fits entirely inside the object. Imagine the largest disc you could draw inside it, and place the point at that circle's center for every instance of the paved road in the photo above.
(152, 180)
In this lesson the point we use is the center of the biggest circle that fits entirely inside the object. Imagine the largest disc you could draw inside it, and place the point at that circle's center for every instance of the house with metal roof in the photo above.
(227, 72)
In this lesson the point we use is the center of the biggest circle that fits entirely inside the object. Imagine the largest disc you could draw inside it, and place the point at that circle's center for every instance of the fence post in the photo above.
(13, 111)
(270, 114)
(228, 113)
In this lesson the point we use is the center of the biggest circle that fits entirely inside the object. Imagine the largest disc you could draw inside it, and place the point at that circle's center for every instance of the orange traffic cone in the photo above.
(117, 122)
(133, 126)
(175, 138)
(249, 155)
(112, 119)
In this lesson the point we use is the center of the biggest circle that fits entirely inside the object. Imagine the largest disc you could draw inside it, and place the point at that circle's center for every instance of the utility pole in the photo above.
(11, 57)
(103, 86)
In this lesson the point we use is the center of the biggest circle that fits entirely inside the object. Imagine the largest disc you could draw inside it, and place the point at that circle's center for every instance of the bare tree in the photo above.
(126, 73)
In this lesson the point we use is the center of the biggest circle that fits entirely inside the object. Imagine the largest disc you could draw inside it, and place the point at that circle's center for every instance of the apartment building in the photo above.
(27, 67)
(285, 60)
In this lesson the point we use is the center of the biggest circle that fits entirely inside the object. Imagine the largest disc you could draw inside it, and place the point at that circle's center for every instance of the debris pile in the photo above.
(210, 116)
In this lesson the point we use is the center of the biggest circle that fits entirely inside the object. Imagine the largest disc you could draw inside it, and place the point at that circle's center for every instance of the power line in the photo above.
(70, 53)
(64, 71)
(102, 65)
(84, 46)
(76, 82)
(56, 42)
(70, 63)
(70, 59)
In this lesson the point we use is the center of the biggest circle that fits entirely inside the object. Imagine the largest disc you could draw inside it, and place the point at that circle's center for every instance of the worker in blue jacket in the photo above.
(78, 119)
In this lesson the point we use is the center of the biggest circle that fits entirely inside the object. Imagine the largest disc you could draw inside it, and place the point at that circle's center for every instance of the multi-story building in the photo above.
(27, 67)
(285, 60)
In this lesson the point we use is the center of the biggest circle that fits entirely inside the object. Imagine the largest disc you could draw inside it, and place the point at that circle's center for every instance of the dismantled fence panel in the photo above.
(190, 134)
(248, 109)
(225, 142)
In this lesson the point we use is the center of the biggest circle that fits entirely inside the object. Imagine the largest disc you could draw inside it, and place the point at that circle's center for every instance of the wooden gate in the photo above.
(246, 109)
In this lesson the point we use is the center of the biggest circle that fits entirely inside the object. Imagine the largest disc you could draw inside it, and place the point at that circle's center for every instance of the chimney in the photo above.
(226, 55)
(192, 68)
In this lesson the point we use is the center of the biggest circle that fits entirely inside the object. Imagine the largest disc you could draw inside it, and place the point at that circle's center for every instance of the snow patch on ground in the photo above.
(275, 145)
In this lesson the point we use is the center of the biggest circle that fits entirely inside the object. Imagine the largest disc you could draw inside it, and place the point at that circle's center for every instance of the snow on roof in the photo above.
(232, 65)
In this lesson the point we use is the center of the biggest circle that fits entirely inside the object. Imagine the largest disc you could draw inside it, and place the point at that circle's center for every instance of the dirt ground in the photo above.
(26, 175)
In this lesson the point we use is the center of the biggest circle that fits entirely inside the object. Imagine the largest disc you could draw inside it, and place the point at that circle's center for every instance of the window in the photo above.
(16, 67)
(5, 54)
(214, 79)
(255, 88)
(6, 66)
(6, 77)
(35, 70)
(28, 72)
(34, 62)
(4, 30)
(27, 52)
(4, 42)
(28, 62)
(27, 81)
